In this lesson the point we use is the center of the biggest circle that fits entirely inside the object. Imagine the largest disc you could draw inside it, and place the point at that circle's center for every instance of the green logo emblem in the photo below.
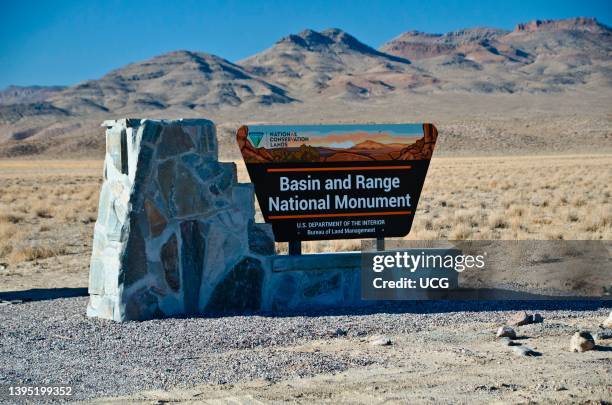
(255, 138)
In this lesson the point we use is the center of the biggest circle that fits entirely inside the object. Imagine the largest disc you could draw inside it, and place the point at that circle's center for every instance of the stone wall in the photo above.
(175, 233)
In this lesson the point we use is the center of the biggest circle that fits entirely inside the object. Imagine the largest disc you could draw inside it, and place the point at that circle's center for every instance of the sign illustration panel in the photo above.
(317, 182)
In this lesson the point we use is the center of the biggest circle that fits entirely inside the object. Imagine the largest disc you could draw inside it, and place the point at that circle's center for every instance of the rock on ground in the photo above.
(582, 342)
(603, 334)
(506, 331)
(520, 318)
(380, 341)
(608, 322)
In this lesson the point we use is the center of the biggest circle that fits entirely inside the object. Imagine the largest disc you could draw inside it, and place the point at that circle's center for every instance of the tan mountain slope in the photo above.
(175, 84)
(181, 79)
(27, 94)
(417, 45)
(333, 63)
(374, 145)
(539, 56)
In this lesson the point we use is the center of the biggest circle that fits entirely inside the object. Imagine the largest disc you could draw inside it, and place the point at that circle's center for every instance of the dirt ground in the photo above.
(459, 361)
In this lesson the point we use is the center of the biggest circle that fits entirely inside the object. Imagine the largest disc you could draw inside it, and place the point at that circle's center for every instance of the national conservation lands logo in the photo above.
(255, 138)
(318, 182)
(273, 139)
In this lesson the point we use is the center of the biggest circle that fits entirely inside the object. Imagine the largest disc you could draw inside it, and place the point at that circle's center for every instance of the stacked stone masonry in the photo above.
(174, 227)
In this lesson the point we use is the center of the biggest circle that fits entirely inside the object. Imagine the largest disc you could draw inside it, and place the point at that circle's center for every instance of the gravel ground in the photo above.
(53, 342)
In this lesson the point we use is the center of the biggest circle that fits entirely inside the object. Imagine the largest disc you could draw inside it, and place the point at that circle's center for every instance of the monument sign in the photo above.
(318, 182)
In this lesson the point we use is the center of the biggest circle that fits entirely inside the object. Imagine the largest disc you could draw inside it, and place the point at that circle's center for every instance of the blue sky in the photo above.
(67, 41)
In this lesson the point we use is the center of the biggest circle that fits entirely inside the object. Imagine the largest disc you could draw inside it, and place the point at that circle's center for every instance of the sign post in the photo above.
(295, 247)
(317, 182)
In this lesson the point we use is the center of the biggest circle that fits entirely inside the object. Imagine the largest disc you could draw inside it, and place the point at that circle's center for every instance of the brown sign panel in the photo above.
(318, 182)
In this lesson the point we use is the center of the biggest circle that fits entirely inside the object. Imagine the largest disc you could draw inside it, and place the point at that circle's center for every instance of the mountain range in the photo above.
(318, 76)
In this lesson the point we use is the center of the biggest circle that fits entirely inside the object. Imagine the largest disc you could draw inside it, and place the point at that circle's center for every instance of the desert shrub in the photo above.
(43, 212)
(11, 218)
(26, 253)
(497, 221)
(460, 232)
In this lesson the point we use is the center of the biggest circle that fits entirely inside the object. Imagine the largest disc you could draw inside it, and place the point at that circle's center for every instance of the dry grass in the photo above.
(47, 209)
(517, 198)
(10, 218)
(35, 252)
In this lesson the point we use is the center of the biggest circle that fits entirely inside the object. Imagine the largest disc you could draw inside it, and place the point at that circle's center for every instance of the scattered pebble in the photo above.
(581, 342)
(547, 329)
(608, 322)
(519, 318)
(340, 332)
(506, 331)
(380, 341)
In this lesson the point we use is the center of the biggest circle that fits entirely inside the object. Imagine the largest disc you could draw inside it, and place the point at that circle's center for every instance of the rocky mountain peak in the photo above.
(312, 61)
(344, 39)
(474, 34)
(568, 24)
(420, 45)
(339, 36)
(307, 39)
(175, 80)
(328, 38)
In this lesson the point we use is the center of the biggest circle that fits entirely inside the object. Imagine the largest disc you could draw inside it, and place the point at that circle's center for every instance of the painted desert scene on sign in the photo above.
(336, 143)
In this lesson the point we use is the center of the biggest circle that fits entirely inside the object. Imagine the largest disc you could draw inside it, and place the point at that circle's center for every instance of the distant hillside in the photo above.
(371, 145)
(27, 94)
(539, 56)
(550, 68)
(182, 79)
(417, 45)
(334, 64)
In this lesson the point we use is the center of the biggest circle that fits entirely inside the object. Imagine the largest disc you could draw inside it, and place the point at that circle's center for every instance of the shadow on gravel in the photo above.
(458, 300)
(440, 307)
(537, 302)
(42, 294)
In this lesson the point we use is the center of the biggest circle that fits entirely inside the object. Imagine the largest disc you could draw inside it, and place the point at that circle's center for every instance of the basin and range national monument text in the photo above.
(317, 182)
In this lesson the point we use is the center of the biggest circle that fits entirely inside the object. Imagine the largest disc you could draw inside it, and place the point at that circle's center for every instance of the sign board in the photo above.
(318, 182)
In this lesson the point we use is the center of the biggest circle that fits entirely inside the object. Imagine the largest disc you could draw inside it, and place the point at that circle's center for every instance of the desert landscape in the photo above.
(49, 207)
(524, 152)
